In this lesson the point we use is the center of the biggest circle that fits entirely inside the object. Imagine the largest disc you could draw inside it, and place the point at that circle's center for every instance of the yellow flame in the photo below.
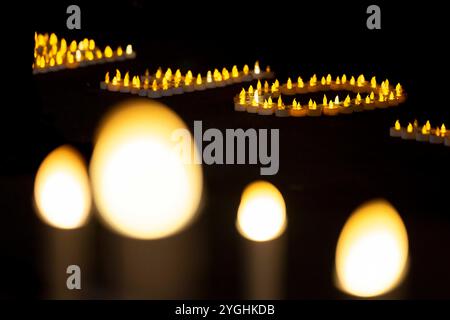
(78, 56)
(209, 76)
(259, 86)
(165, 84)
(177, 75)
(61, 189)
(154, 85)
(443, 130)
(199, 79)
(126, 80)
(328, 79)
(372, 250)
(225, 74)
(373, 82)
(391, 96)
(424, 130)
(294, 104)
(115, 82)
(372, 95)
(146, 83)
(53, 39)
(344, 79)
(234, 72)
(289, 84)
(324, 100)
(270, 102)
(158, 73)
(266, 87)
(338, 80)
(118, 75)
(398, 90)
(409, 129)
(361, 80)
(358, 99)
(136, 82)
(246, 70)
(257, 69)
(428, 125)
(347, 101)
(397, 125)
(279, 102)
(168, 74)
(119, 51)
(142, 186)
(323, 81)
(91, 45)
(437, 132)
(310, 103)
(367, 100)
(98, 54)
(300, 83)
(108, 52)
(262, 212)
(250, 90)
(381, 98)
(107, 78)
(336, 100)
(73, 46)
(129, 49)
(352, 81)
(255, 100)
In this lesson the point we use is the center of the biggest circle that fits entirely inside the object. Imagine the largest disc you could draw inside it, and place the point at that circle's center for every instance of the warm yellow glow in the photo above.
(177, 76)
(91, 45)
(361, 80)
(270, 102)
(53, 39)
(126, 80)
(352, 81)
(146, 83)
(61, 189)
(142, 186)
(358, 99)
(415, 123)
(409, 129)
(78, 56)
(168, 74)
(310, 103)
(115, 82)
(277, 83)
(398, 90)
(300, 83)
(107, 78)
(279, 102)
(268, 69)
(331, 104)
(328, 79)
(242, 93)
(324, 100)
(136, 82)
(344, 79)
(347, 101)
(338, 80)
(165, 84)
(397, 125)
(246, 70)
(424, 130)
(262, 212)
(428, 125)
(381, 98)
(372, 96)
(373, 83)
(391, 96)
(209, 77)
(336, 100)
(234, 72)
(437, 132)
(443, 130)
(154, 85)
(367, 100)
(323, 81)
(289, 84)
(255, 101)
(259, 86)
(158, 73)
(119, 51)
(98, 54)
(372, 250)
(129, 49)
(225, 74)
(266, 87)
(59, 59)
(73, 46)
(199, 79)
(257, 69)
(108, 52)
(70, 59)
(250, 90)
(52, 62)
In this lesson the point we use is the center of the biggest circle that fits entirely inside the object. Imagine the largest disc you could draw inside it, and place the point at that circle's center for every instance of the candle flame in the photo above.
(347, 101)
(126, 79)
(409, 129)
(289, 84)
(256, 69)
(129, 49)
(234, 72)
(372, 250)
(397, 125)
(246, 70)
(199, 79)
(107, 78)
(108, 52)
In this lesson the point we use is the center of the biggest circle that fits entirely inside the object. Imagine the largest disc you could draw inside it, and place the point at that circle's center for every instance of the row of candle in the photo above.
(52, 54)
(265, 101)
(423, 134)
(168, 83)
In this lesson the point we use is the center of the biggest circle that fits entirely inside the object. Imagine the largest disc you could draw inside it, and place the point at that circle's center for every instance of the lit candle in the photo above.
(332, 109)
(408, 133)
(288, 88)
(235, 77)
(368, 103)
(154, 91)
(281, 110)
(241, 103)
(300, 86)
(135, 85)
(423, 134)
(297, 110)
(358, 106)
(114, 85)
(129, 52)
(104, 84)
(246, 75)
(336, 85)
(268, 74)
(108, 53)
(436, 137)
(267, 107)
(209, 80)
(226, 76)
(143, 92)
(261, 221)
(396, 130)
(199, 85)
(218, 79)
(313, 109)
(166, 90)
(188, 85)
(254, 103)
(256, 73)
(125, 87)
(312, 85)
(346, 107)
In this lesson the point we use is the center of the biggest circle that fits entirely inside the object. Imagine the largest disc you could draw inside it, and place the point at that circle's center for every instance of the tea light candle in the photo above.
(246, 75)
(423, 135)
(241, 103)
(166, 91)
(226, 77)
(358, 106)
(209, 81)
(119, 54)
(199, 85)
(135, 85)
(312, 85)
(436, 137)
(396, 130)
(129, 52)
(346, 107)
(267, 107)
(297, 110)
(281, 110)
(143, 92)
(235, 77)
(126, 83)
(313, 109)
(336, 85)
(256, 73)
(288, 88)
(368, 103)
(300, 86)
(154, 91)
(104, 84)
(268, 74)
(254, 104)
(408, 133)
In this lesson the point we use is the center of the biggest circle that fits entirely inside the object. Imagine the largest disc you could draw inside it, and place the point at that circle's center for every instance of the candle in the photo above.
(312, 85)
(423, 134)
(199, 83)
(288, 88)
(281, 110)
(246, 76)
(267, 107)
(408, 133)
(358, 107)
(261, 221)
(135, 85)
(254, 103)
(226, 76)
(104, 84)
(188, 82)
(297, 110)
(209, 81)
(346, 107)
(241, 103)
(300, 86)
(256, 73)
(165, 89)
(313, 109)
(332, 109)
(336, 85)
(235, 77)
(129, 52)
(368, 103)
(114, 85)
(436, 137)
(396, 130)
(143, 92)
(125, 87)
(154, 91)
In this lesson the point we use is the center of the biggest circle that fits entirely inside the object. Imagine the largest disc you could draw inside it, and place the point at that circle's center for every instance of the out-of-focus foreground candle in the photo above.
(372, 251)
(63, 201)
(261, 220)
(143, 188)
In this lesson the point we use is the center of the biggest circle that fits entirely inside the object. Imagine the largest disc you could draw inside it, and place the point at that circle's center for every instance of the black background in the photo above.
(328, 166)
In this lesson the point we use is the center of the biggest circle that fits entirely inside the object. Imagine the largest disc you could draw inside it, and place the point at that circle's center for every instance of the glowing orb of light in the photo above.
(143, 188)
(372, 250)
(262, 212)
(61, 189)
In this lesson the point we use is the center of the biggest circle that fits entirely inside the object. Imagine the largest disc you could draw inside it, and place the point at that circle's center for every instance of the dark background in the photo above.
(328, 166)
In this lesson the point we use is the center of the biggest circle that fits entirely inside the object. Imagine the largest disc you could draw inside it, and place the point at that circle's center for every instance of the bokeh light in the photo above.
(372, 250)
(61, 189)
(262, 212)
(143, 188)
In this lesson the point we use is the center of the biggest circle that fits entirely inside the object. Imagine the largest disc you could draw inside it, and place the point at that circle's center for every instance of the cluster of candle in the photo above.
(51, 53)
(267, 100)
(424, 134)
(167, 83)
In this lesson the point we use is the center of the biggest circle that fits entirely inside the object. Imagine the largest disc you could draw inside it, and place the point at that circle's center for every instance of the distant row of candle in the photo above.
(168, 83)
(266, 101)
(423, 134)
(52, 54)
